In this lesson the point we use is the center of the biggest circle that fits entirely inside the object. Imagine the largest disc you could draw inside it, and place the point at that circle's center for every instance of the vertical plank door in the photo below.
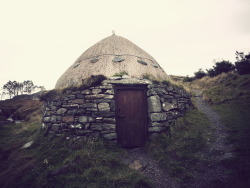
(131, 114)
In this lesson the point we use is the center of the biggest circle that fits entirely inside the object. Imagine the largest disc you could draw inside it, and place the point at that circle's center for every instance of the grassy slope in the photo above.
(229, 95)
(56, 162)
(180, 151)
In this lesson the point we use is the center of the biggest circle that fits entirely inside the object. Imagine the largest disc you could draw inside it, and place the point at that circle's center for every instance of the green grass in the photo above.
(236, 117)
(57, 162)
(182, 149)
(229, 95)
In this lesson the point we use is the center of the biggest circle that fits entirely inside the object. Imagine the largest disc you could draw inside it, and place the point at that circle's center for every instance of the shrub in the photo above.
(199, 74)
(223, 66)
(243, 67)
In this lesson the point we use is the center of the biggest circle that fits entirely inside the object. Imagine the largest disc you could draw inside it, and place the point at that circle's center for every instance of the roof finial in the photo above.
(113, 32)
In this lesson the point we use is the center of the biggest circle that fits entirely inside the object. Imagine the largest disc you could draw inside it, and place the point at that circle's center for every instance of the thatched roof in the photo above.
(112, 55)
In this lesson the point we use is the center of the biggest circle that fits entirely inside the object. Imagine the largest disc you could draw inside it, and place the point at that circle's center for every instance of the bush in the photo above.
(199, 74)
(243, 66)
(188, 79)
(223, 66)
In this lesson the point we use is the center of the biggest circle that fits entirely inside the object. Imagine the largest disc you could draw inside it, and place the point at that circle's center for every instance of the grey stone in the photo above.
(71, 96)
(109, 120)
(158, 116)
(85, 119)
(46, 119)
(103, 107)
(103, 114)
(110, 136)
(55, 127)
(162, 124)
(88, 105)
(79, 96)
(109, 91)
(154, 129)
(170, 88)
(115, 78)
(102, 100)
(92, 109)
(106, 87)
(58, 118)
(112, 106)
(102, 126)
(78, 126)
(125, 76)
(169, 106)
(70, 106)
(83, 132)
(27, 145)
(154, 104)
(53, 119)
(54, 108)
(96, 91)
(86, 91)
(61, 111)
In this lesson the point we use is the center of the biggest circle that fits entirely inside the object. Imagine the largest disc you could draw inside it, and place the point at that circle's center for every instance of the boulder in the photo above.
(154, 104)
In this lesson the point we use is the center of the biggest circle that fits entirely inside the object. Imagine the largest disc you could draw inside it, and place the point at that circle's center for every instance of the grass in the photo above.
(229, 95)
(182, 149)
(57, 162)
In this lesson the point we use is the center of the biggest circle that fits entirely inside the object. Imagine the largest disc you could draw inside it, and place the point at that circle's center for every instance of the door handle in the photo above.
(121, 115)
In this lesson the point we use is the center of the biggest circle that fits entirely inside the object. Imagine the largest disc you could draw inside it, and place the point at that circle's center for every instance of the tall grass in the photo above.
(181, 150)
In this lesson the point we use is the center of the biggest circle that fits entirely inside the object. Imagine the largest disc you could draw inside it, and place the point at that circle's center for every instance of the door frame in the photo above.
(142, 87)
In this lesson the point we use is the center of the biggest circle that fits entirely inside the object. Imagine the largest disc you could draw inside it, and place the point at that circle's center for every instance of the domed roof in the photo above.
(110, 56)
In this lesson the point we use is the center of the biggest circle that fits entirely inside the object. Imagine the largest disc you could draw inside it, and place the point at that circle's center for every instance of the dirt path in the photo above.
(209, 174)
(138, 158)
(212, 173)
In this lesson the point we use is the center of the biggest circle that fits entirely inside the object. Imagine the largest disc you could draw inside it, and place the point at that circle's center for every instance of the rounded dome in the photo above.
(110, 56)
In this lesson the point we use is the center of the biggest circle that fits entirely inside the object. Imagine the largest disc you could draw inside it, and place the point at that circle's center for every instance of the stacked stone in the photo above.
(90, 112)
(165, 104)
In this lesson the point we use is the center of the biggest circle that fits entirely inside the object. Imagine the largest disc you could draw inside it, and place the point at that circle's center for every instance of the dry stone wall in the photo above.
(91, 112)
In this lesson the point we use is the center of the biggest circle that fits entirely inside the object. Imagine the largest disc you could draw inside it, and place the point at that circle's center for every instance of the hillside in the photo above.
(184, 154)
(229, 95)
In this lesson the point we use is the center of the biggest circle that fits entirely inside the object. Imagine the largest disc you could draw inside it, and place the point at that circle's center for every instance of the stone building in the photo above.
(128, 106)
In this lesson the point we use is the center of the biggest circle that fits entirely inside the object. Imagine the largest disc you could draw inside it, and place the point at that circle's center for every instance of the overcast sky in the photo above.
(39, 40)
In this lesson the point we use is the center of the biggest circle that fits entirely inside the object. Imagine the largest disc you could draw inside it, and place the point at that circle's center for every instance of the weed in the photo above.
(120, 74)
(181, 150)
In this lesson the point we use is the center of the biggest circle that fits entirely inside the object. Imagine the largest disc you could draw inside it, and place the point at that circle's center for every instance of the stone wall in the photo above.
(91, 112)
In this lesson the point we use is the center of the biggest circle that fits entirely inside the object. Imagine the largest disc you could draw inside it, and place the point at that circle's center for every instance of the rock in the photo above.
(55, 127)
(85, 119)
(88, 105)
(125, 76)
(96, 91)
(68, 119)
(110, 136)
(136, 165)
(103, 114)
(27, 145)
(103, 107)
(77, 101)
(79, 96)
(168, 106)
(102, 126)
(53, 119)
(109, 91)
(86, 91)
(108, 120)
(158, 116)
(102, 100)
(154, 129)
(154, 104)
(61, 111)
(46, 119)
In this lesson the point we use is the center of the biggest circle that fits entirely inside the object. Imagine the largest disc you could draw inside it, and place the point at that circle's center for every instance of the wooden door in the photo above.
(131, 116)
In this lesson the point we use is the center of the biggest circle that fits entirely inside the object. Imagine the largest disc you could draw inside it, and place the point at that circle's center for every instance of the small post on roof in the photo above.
(113, 32)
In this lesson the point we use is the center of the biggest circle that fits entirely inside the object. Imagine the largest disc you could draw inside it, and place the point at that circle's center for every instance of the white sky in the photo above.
(40, 39)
